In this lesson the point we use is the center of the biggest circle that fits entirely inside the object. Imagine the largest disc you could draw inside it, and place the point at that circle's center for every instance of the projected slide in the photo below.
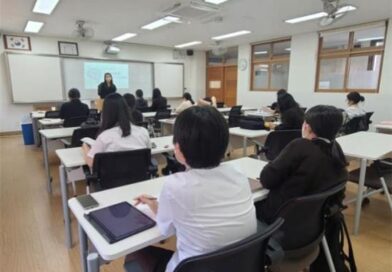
(94, 74)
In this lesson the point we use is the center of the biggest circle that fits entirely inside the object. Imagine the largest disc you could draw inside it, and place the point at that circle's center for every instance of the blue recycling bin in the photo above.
(28, 135)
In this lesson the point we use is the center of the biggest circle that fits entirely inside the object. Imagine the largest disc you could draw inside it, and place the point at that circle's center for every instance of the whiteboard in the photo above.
(169, 78)
(35, 78)
(139, 75)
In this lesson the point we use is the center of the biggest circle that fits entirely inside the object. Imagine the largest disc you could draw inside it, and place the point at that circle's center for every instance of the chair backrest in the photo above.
(162, 114)
(114, 169)
(247, 255)
(368, 116)
(356, 124)
(305, 216)
(74, 121)
(236, 110)
(220, 104)
(143, 124)
(277, 140)
(144, 109)
(52, 114)
(93, 111)
(81, 133)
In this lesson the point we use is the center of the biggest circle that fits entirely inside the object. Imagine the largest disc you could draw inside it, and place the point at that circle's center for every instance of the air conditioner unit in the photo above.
(112, 49)
(193, 10)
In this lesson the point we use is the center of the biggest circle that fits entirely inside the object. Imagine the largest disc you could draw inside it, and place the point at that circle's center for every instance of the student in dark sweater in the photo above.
(73, 108)
(158, 101)
(292, 116)
(107, 86)
(141, 103)
(306, 166)
(137, 116)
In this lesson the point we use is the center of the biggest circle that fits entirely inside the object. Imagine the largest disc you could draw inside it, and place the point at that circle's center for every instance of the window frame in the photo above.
(348, 53)
(270, 60)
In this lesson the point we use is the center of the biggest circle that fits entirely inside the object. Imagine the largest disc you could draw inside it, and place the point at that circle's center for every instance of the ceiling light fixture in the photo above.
(231, 35)
(346, 9)
(215, 2)
(187, 44)
(45, 6)
(288, 49)
(261, 52)
(319, 15)
(33, 26)
(124, 37)
(161, 22)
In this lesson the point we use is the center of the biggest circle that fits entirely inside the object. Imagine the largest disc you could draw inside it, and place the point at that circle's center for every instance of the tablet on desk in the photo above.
(119, 221)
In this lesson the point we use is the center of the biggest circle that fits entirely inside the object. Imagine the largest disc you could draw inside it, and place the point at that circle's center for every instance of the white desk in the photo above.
(259, 113)
(365, 146)
(149, 115)
(35, 116)
(73, 157)
(227, 109)
(250, 167)
(50, 122)
(52, 134)
(247, 134)
(384, 127)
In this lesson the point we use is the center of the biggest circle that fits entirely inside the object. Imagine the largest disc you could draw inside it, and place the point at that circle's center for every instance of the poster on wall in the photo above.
(14, 42)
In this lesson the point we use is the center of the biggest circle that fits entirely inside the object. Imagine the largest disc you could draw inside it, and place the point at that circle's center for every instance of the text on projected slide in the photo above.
(94, 74)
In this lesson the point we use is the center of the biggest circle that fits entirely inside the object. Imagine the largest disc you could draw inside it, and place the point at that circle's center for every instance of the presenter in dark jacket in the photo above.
(106, 87)
(306, 166)
(73, 108)
(158, 101)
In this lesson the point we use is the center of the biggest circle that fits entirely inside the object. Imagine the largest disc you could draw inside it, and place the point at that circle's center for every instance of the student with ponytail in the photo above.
(306, 166)
(186, 103)
(354, 109)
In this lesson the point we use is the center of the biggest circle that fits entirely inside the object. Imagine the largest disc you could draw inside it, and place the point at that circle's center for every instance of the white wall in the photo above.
(11, 114)
(302, 76)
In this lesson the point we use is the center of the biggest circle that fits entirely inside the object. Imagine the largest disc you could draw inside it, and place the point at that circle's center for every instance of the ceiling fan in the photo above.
(82, 31)
(334, 11)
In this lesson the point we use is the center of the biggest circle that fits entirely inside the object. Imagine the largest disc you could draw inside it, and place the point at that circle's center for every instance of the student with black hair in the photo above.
(158, 101)
(275, 106)
(186, 103)
(306, 166)
(107, 86)
(137, 116)
(291, 115)
(190, 201)
(117, 132)
(354, 109)
(141, 103)
(75, 107)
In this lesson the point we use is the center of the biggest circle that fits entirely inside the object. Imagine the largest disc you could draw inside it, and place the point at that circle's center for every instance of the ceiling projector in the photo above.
(112, 49)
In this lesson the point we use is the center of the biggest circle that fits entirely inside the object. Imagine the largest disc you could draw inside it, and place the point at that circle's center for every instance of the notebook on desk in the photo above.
(87, 140)
(119, 221)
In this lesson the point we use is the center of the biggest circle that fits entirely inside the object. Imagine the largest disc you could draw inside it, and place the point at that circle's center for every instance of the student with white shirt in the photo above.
(186, 103)
(208, 206)
(354, 109)
(116, 133)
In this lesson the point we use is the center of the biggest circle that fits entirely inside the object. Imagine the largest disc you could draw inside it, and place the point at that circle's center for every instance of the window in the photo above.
(350, 60)
(270, 65)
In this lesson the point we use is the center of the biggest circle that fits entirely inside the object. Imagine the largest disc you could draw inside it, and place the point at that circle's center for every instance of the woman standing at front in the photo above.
(107, 87)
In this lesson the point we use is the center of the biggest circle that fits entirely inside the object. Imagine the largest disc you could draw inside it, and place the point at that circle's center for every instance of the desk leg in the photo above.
(244, 145)
(46, 162)
(358, 205)
(83, 248)
(93, 262)
(64, 198)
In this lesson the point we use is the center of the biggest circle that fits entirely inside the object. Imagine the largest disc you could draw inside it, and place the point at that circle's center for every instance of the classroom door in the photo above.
(215, 82)
(230, 86)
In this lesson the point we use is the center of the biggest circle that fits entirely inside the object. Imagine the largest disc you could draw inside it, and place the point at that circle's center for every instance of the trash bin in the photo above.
(27, 131)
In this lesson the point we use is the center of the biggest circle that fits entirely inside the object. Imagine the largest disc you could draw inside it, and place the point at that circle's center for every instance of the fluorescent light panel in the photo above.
(261, 52)
(45, 6)
(371, 39)
(187, 44)
(161, 22)
(215, 2)
(33, 26)
(318, 15)
(124, 37)
(231, 35)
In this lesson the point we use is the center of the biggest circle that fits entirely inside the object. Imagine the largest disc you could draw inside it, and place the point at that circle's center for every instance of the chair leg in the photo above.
(327, 254)
(387, 193)
(73, 187)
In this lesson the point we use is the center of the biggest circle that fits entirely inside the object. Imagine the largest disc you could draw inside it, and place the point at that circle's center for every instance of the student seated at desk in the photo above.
(158, 101)
(291, 115)
(190, 201)
(274, 108)
(141, 103)
(186, 103)
(116, 133)
(306, 166)
(354, 109)
(75, 107)
(137, 116)
(207, 101)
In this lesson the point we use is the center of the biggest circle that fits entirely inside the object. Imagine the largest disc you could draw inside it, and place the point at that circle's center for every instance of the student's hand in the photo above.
(86, 148)
(151, 201)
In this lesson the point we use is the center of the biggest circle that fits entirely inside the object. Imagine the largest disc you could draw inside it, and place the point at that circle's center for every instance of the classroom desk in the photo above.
(365, 146)
(50, 122)
(150, 115)
(227, 109)
(35, 117)
(247, 134)
(384, 128)
(52, 134)
(259, 113)
(73, 157)
(250, 167)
